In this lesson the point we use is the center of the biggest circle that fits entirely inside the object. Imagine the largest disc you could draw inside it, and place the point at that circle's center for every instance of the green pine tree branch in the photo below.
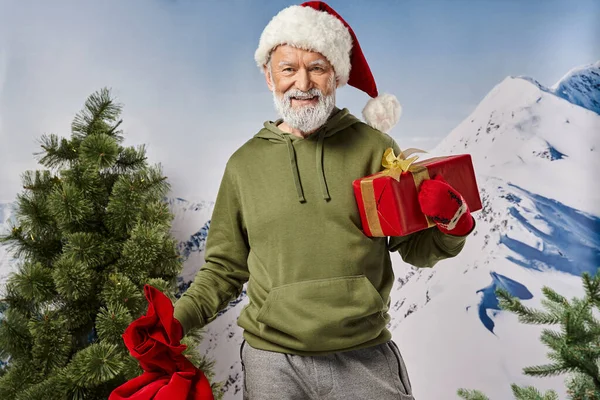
(526, 314)
(96, 117)
(471, 394)
(57, 152)
(531, 393)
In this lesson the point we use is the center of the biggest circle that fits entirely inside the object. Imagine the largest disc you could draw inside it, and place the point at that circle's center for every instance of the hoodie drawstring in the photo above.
(320, 171)
(294, 166)
(320, 166)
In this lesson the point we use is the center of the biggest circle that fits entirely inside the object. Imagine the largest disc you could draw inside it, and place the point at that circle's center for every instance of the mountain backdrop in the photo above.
(535, 150)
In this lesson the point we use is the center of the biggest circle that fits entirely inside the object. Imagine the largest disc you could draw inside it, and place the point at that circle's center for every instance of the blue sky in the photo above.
(185, 70)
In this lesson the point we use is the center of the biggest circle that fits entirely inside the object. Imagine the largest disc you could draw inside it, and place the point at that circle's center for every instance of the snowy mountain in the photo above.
(581, 86)
(190, 227)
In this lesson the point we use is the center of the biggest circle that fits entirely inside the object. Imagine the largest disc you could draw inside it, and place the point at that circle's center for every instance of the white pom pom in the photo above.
(382, 112)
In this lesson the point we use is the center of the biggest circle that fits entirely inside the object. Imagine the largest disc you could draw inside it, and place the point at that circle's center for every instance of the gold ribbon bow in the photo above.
(396, 165)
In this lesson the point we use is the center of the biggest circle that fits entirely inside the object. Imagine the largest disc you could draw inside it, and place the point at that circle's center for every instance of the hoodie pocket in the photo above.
(323, 315)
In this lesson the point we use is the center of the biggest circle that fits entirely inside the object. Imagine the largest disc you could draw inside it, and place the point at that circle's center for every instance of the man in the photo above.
(286, 221)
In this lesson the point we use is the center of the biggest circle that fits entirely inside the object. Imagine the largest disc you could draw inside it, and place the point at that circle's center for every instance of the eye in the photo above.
(288, 69)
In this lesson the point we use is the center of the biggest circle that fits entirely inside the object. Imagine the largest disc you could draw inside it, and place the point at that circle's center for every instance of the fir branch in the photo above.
(142, 250)
(48, 389)
(581, 387)
(96, 364)
(554, 296)
(15, 301)
(99, 111)
(471, 394)
(131, 367)
(100, 150)
(33, 282)
(38, 181)
(80, 314)
(120, 290)
(114, 132)
(548, 369)
(27, 245)
(531, 393)
(123, 208)
(90, 248)
(35, 219)
(130, 159)
(112, 322)
(554, 340)
(19, 377)
(51, 342)
(163, 286)
(15, 338)
(57, 152)
(153, 182)
(526, 314)
(74, 280)
(575, 318)
(69, 207)
(592, 288)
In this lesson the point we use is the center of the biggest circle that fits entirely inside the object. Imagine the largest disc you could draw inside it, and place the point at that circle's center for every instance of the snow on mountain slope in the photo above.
(581, 86)
(446, 320)
(190, 227)
(535, 140)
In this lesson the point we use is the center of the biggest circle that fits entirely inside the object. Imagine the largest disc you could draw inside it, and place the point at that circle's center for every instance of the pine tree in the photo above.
(574, 350)
(92, 228)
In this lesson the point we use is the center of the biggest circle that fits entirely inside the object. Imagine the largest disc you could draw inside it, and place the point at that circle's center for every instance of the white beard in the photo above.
(305, 118)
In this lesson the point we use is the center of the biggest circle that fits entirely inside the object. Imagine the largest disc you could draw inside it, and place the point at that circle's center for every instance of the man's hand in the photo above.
(445, 206)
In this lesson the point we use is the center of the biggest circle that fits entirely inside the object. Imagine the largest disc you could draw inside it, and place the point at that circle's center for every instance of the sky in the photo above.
(192, 93)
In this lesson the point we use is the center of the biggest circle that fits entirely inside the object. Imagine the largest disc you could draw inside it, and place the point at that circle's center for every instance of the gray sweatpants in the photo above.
(376, 372)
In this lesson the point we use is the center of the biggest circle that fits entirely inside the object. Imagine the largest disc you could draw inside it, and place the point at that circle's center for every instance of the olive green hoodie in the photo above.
(286, 221)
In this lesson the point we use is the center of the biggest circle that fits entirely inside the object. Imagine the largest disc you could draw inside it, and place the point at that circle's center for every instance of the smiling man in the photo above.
(286, 223)
(303, 85)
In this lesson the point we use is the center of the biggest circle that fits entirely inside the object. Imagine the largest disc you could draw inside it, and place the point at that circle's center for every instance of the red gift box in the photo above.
(388, 200)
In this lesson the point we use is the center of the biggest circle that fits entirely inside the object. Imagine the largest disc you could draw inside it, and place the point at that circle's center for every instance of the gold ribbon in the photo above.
(396, 165)
(393, 166)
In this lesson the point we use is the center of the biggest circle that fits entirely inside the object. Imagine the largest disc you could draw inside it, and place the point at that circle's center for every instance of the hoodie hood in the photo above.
(338, 121)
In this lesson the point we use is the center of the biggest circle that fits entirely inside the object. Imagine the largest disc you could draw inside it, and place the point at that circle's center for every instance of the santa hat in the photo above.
(314, 26)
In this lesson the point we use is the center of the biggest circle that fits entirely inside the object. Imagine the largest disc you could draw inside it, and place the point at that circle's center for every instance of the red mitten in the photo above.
(445, 206)
(154, 340)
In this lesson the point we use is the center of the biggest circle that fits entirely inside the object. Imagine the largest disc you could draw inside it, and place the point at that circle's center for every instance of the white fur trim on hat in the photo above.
(382, 112)
(312, 30)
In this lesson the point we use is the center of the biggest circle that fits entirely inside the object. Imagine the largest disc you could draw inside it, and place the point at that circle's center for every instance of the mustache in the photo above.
(299, 94)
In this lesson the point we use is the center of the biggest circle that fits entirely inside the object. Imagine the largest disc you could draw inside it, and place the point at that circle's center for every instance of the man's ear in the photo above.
(268, 78)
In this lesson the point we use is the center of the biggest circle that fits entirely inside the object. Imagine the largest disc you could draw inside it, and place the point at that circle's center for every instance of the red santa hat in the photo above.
(315, 26)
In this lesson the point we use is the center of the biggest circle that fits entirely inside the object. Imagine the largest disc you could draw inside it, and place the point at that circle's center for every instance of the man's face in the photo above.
(303, 85)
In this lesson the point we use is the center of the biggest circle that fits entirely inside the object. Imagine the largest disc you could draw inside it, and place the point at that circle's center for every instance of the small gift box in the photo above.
(388, 200)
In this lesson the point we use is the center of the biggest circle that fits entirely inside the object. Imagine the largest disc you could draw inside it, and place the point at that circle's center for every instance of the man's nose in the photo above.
(303, 80)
